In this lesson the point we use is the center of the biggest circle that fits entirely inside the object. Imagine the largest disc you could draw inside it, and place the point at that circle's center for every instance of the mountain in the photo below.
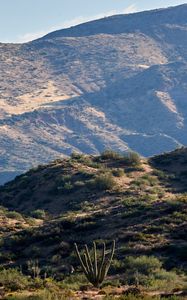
(118, 82)
(141, 203)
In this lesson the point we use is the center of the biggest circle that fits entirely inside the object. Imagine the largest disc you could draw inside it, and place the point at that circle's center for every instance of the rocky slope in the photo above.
(119, 83)
(140, 203)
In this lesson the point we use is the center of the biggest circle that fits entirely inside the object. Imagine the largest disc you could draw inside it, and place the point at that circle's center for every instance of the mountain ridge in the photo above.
(87, 93)
(69, 31)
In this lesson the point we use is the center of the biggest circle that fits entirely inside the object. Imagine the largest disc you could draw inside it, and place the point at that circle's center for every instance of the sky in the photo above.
(26, 20)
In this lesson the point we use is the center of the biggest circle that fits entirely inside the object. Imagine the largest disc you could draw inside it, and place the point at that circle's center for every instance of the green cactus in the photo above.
(95, 271)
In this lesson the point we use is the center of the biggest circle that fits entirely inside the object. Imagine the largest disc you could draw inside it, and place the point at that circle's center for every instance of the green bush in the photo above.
(61, 180)
(110, 154)
(77, 155)
(132, 159)
(151, 180)
(14, 215)
(147, 271)
(102, 182)
(13, 280)
(38, 214)
(68, 187)
(143, 264)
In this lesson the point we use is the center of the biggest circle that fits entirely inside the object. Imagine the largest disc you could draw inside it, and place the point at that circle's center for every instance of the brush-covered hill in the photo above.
(140, 203)
(118, 82)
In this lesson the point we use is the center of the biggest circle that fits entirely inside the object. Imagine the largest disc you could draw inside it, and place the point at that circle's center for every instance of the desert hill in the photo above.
(140, 203)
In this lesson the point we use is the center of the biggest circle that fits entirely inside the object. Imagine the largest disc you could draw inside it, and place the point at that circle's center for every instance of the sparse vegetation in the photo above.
(137, 203)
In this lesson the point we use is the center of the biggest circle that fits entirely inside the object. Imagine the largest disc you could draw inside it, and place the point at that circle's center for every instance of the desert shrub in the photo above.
(110, 154)
(118, 172)
(143, 264)
(87, 226)
(68, 187)
(84, 174)
(102, 182)
(94, 164)
(74, 281)
(38, 214)
(85, 206)
(132, 159)
(76, 155)
(63, 179)
(148, 271)
(117, 266)
(151, 180)
(139, 182)
(13, 280)
(63, 184)
(88, 161)
(3, 210)
(14, 215)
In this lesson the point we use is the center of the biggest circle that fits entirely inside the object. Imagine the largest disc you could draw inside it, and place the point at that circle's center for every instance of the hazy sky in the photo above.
(24, 20)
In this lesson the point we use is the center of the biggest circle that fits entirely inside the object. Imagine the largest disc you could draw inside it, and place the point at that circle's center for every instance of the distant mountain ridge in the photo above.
(125, 23)
(119, 82)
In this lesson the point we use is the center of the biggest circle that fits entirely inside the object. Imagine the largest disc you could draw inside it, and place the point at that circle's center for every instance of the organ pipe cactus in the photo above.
(95, 270)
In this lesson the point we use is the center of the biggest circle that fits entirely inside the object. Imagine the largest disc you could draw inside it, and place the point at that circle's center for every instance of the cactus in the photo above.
(95, 271)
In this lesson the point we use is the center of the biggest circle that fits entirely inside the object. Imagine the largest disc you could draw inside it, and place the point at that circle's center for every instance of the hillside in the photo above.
(118, 82)
(140, 203)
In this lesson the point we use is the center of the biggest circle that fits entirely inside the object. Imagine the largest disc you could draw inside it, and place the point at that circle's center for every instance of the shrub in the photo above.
(118, 172)
(143, 264)
(38, 214)
(87, 226)
(132, 159)
(68, 187)
(148, 271)
(76, 155)
(13, 280)
(74, 281)
(63, 179)
(103, 182)
(151, 180)
(14, 215)
(109, 154)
